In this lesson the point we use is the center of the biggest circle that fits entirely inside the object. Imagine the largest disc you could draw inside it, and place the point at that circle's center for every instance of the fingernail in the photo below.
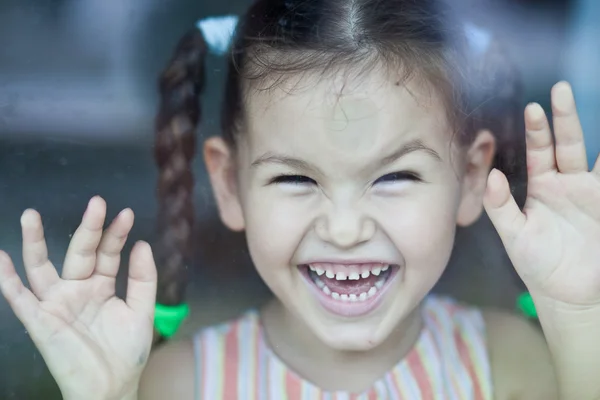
(93, 199)
(27, 214)
(536, 111)
(562, 98)
(123, 211)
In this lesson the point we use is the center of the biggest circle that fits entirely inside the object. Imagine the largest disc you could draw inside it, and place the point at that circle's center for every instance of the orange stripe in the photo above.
(418, 371)
(230, 369)
(439, 329)
(466, 359)
(293, 387)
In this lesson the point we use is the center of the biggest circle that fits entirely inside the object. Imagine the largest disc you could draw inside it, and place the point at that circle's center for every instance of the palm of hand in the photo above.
(92, 341)
(88, 329)
(561, 239)
(554, 243)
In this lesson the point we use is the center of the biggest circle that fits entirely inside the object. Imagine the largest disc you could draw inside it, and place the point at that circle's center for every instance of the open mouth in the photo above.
(349, 290)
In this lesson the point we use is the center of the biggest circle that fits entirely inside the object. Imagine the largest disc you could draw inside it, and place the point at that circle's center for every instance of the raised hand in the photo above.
(554, 243)
(94, 344)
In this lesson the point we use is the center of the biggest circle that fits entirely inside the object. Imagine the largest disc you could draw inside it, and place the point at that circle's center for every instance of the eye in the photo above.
(399, 176)
(293, 180)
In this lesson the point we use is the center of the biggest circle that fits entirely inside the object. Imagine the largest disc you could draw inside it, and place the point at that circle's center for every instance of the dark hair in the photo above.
(278, 39)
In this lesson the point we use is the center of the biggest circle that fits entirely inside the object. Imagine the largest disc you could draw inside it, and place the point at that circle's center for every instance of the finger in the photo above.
(540, 146)
(571, 156)
(40, 271)
(108, 257)
(141, 286)
(502, 208)
(597, 167)
(81, 255)
(23, 303)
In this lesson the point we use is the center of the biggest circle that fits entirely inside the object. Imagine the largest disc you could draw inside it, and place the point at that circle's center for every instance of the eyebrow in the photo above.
(407, 148)
(410, 147)
(271, 158)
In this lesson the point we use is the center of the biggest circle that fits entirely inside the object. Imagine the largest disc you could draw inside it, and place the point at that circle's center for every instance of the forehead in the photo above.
(366, 113)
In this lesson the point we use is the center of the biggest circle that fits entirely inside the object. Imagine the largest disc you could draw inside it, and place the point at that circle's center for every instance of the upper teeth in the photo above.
(354, 272)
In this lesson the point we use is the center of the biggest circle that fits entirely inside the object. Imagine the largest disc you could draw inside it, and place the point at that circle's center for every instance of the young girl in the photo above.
(357, 135)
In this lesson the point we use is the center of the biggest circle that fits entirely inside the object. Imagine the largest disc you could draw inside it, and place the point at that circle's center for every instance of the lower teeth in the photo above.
(353, 297)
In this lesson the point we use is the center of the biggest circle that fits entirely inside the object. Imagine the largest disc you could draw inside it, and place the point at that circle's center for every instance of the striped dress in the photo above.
(449, 361)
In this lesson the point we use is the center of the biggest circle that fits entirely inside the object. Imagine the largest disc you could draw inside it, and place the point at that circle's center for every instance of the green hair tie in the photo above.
(168, 319)
(526, 305)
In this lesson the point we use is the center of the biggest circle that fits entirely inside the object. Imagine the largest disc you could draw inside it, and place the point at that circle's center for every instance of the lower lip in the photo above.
(346, 308)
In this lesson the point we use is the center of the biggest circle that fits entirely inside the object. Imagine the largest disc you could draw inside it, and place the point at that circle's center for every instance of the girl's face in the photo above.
(350, 192)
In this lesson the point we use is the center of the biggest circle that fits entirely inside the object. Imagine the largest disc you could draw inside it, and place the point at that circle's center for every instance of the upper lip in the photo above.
(346, 261)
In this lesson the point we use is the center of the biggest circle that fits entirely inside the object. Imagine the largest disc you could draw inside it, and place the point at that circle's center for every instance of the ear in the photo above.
(220, 163)
(479, 158)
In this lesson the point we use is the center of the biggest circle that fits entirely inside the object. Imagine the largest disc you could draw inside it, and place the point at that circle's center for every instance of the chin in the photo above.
(349, 307)
(351, 337)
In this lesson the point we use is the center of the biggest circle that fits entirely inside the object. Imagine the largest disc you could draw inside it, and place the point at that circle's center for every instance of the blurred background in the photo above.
(77, 103)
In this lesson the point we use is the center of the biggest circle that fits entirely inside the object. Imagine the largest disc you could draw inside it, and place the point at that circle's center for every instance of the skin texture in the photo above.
(298, 331)
(342, 209)
(349, 119)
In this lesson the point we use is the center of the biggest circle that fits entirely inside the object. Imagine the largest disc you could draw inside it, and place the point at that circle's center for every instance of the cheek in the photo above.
(423, 228)
(274, 228)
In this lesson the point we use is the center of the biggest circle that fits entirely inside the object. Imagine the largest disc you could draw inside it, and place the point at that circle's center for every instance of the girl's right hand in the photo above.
(94, 344)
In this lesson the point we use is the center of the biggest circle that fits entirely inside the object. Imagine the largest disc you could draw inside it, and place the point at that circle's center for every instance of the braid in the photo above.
(180, 85)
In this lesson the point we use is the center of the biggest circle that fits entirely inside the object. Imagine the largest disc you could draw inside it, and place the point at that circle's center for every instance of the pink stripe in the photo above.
(440, 332)
(231, 361)
(415, 364)
(293, 387)
(468, 363)
(372, 395)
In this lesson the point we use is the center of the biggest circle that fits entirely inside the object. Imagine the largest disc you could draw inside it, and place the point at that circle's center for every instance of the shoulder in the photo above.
(174, 370)
(170, 372)
(449, 312)
(520, 359)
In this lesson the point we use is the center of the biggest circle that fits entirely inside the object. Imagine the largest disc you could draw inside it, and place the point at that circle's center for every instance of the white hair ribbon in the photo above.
(218, 32)
(479, 39)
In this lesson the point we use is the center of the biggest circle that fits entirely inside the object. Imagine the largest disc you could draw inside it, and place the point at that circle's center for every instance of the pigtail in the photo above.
(180, 86)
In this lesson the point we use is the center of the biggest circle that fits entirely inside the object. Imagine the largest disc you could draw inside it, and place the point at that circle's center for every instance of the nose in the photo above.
(345, 227)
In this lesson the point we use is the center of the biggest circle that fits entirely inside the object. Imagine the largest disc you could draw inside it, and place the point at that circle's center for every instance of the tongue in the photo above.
(350, 286)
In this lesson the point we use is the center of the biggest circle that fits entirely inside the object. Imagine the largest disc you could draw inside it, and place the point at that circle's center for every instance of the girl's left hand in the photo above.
(554, 242)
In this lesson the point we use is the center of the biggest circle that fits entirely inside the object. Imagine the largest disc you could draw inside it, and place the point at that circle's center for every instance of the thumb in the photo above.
(141, 285)
(502, 208)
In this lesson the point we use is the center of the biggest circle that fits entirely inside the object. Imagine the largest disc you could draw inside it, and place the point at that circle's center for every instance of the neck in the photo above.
(331, 369)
